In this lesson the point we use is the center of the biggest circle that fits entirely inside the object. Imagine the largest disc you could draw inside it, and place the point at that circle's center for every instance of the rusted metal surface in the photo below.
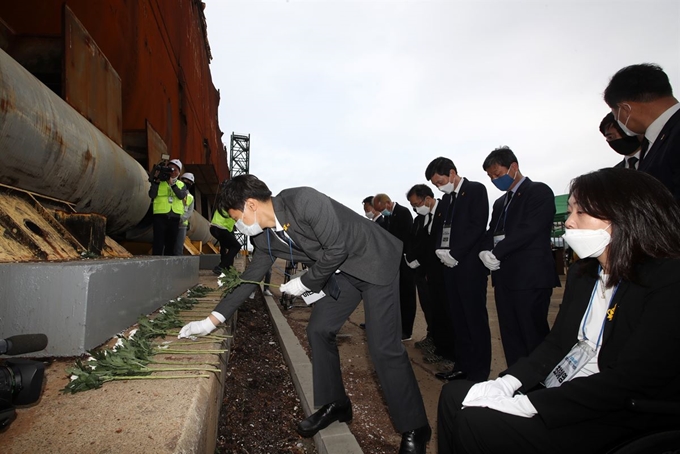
(160, 51)
(91, 85)
(155, 146)
(49, 148)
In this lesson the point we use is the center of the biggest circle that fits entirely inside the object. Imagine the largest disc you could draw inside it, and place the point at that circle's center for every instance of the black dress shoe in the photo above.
(415, 441)
(451, 375)
(340, 410)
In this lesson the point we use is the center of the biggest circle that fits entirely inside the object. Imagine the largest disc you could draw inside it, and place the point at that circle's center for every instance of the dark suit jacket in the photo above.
(400, 224)
(662, 161)
(468, 224)
(526, 255)
(326, 236)
(621, 163)
(639, 353)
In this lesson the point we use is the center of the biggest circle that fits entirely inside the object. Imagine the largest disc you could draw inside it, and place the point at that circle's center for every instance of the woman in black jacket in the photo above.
(616, 336)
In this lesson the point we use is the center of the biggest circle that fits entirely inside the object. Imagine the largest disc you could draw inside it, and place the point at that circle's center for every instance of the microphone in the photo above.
(23, 343)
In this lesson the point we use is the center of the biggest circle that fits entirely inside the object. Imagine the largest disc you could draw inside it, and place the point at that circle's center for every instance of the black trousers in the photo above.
(407, 299)
(477, 430)
(523, 319)
(441, 328)
(229, 245)
(423, 291)
(165, 228)
(466, 286)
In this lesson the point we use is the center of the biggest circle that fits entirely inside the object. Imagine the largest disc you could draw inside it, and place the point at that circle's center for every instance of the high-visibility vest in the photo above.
(162, 204)
(187, 203)
(222, 222)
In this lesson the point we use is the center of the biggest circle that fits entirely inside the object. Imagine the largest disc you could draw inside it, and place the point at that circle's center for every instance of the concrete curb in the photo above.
(336, 438)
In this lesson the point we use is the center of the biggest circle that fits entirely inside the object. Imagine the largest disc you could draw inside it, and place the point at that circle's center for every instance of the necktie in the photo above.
(631, 162)
(501, 224)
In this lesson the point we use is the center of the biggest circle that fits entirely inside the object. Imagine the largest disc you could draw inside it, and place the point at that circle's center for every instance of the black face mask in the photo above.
(625, 145)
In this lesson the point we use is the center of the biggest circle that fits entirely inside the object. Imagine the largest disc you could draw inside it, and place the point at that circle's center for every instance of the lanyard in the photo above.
(290, 249)
(590, 305)
(451, 209)
(504, 214)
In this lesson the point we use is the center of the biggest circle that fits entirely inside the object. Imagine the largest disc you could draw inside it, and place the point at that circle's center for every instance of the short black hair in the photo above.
(234, 192)
(642, 211)
(420, 190)
(368, 200)
(440, 166)
(640, 83)
(503, 156)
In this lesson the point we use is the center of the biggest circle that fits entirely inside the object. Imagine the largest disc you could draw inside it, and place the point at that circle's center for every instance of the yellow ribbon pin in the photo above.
(610, 313)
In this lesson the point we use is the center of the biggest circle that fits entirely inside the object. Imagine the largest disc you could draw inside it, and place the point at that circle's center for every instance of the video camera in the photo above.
(161, 171)
(21, 380)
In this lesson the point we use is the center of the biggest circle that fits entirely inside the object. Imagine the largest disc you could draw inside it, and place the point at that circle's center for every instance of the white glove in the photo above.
(197, 328)
(294, 287)
(519, 405)
(490, 261)
(413, 265)
(504, 386)
(445, 257)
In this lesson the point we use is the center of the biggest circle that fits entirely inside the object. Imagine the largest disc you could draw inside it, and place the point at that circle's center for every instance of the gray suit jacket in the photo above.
(325, 235)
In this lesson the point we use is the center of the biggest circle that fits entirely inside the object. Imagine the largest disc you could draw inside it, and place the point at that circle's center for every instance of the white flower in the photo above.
(74, 377)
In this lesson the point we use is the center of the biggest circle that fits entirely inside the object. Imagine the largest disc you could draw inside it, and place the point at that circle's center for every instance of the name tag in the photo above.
(446, 236)
(170, 199)
(498, 238)
(311, 297)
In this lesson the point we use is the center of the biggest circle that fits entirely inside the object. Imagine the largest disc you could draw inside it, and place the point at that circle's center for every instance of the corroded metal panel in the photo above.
(155, 146)
(91, 85)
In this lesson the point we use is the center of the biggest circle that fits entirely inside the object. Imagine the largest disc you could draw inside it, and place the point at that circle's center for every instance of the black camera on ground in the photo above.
(161, 171)
(21, 380)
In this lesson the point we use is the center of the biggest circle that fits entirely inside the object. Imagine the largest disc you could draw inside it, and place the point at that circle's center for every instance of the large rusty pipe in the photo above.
(199, 230)
(49, 148)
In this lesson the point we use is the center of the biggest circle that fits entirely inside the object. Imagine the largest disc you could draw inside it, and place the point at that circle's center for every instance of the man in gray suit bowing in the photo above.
(350, 259)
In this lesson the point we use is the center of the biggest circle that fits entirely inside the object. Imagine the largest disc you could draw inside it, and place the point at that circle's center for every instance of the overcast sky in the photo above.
(357, 97)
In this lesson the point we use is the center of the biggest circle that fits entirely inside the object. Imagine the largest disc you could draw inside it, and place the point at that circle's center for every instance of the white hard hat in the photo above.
(177, 162)
(189, 176)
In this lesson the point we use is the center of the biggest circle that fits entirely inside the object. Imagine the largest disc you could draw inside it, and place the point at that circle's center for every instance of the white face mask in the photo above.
(624, 126)
(424, 210)
(369, 214)
(587, 243)
(447, 188)
(249, 230)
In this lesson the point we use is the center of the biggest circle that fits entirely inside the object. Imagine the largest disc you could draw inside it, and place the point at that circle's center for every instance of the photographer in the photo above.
(167, 193)
(188, 180)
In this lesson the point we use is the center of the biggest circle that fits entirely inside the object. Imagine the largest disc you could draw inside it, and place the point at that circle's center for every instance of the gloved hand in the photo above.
(445, 257)
(490, 261)
(519, 405)
(413, 265)
(294, 287)
(197, 328)
(504, 386)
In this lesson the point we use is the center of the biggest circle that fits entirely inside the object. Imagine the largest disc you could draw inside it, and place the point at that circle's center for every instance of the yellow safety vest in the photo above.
(222, 222)
(187, 203)
(167, 200)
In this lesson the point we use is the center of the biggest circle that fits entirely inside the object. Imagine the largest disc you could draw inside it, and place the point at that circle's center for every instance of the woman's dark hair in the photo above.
(643, 213)
(234, 192)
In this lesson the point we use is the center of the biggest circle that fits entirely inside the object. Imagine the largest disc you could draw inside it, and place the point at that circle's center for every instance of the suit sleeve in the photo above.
(536, 216)
(258, 267)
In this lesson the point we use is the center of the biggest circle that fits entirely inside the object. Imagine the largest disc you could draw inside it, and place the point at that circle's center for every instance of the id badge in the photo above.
(170, 199)
(310, 297)
(578, 356)
(446, 236)
(498, 238)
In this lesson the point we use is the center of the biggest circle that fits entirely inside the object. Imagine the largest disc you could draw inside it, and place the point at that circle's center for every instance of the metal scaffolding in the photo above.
(239, 159)
(239, 164)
